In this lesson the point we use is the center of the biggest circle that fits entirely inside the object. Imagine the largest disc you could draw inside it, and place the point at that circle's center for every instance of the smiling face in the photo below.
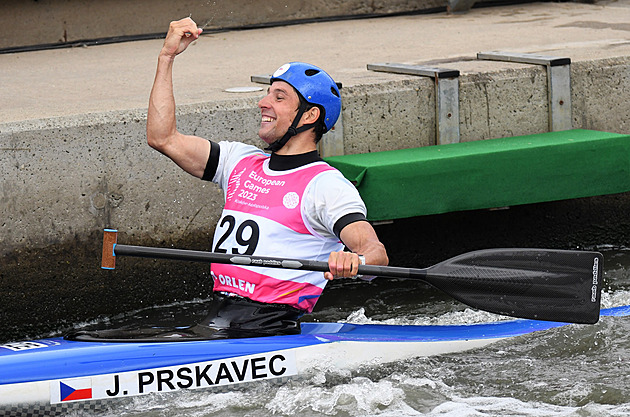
(278, 109)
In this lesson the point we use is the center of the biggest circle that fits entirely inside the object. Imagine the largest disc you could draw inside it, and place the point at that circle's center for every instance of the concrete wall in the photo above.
(61, 185)
(24, 23)
(70, 176)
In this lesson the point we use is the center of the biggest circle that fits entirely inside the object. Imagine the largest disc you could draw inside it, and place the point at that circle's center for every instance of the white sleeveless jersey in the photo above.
(277, 214)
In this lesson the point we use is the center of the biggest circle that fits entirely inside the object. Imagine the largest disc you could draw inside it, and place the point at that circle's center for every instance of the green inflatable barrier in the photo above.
(489, 173)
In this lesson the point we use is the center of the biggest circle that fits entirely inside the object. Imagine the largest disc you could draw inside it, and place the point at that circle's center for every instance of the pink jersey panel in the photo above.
(275, 197)
(264, 288)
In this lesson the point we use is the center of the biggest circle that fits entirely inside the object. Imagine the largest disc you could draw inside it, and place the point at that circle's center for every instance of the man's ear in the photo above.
(311, 115)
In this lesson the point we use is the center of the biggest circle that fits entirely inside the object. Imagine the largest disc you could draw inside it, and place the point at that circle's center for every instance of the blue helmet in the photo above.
(315, 85)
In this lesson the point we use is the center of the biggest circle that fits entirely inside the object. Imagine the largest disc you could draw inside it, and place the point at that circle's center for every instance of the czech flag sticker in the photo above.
(71, 390)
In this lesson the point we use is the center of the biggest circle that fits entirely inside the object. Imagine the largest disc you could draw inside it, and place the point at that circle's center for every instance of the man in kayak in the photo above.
(290, 201)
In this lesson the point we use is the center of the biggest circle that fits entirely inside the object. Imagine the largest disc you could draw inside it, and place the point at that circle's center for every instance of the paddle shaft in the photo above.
(260, 261)
(541, 284)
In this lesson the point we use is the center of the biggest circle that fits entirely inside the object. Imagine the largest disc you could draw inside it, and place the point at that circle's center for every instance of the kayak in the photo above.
(48, 375)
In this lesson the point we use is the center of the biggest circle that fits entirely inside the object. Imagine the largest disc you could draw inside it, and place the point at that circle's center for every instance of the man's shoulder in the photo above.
(233, 152)
(331, 182)
(330, 173)
(240, 147)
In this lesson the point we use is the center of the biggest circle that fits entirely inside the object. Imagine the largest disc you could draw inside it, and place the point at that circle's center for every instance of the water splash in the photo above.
(209, 21)
(467, 316)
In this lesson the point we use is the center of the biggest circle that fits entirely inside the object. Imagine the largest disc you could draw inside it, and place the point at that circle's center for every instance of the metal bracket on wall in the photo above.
(558, 83)
(261, 79)
(446, 96)
(459, 6)
(332, 142)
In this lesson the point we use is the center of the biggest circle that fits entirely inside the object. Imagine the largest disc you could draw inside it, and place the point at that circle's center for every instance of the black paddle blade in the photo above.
(540, 284)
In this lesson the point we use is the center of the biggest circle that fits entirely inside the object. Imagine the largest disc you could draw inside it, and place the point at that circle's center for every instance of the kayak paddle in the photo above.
(539, 284)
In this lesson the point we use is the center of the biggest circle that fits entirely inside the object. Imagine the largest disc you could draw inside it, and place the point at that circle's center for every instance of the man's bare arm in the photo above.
(191, 153)
(361, 239)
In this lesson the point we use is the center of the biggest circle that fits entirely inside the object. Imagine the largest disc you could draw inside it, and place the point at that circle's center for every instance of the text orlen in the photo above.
(240, 284)
(272, 365)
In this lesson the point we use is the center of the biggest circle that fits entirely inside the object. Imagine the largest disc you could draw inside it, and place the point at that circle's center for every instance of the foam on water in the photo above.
(615, 299)
(499, 406)
(467, 316)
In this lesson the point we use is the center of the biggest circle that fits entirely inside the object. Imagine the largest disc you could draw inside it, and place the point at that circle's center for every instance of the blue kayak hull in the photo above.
(56, 371)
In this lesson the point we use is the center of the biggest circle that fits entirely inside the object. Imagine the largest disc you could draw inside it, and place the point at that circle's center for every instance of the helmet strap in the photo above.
(292, 130)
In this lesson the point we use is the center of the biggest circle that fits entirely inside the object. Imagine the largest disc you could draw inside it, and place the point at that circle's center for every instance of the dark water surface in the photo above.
(577, 370)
